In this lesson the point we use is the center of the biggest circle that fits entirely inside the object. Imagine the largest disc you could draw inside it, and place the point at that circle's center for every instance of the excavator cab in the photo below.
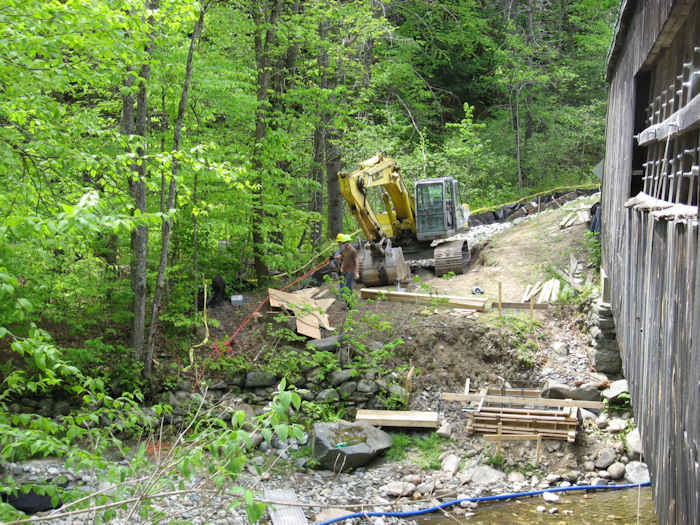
(438, 211)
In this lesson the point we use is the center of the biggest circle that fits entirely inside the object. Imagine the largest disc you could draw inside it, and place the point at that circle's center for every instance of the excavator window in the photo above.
(430, 207)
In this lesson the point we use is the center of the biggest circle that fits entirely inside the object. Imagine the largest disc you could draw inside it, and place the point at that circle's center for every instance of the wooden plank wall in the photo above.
(654, 271)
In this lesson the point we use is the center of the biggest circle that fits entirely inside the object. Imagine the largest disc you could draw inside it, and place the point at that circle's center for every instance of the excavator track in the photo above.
(451, 256)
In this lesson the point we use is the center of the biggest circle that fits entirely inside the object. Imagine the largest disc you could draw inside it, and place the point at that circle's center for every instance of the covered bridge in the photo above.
(650, 236)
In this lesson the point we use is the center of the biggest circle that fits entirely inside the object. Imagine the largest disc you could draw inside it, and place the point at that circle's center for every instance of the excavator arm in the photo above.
(383, 172)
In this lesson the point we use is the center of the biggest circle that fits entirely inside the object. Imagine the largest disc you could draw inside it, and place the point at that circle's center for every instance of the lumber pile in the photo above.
(471, 303)
(522, 414)
(310, 313)
(553, 424)
(548, 291)
(576, 217)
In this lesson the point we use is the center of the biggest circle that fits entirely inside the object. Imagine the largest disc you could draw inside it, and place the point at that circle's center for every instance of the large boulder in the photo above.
(637, 472)
(342, 446)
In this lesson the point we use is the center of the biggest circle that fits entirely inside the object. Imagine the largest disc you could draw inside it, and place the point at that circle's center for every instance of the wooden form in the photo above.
(500, 438)
(553, 424)
(558, 423)
(281, 514)
(309, 315)
(424, 298)
(398, 418)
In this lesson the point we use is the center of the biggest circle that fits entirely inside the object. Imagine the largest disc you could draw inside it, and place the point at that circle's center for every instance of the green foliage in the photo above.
(592, 243)
(428, 449)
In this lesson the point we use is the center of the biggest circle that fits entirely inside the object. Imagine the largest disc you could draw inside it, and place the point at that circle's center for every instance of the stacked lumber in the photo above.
(553, 424)
(517, 415)
(548, 291)
(577, 217)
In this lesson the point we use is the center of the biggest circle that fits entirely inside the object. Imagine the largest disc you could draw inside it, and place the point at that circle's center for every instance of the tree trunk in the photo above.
(265, 26)
(139, 235)
(335, 200)
(167, 222)
(320, 146)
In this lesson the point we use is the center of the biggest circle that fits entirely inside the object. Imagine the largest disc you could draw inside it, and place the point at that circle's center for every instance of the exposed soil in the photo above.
(448, 345)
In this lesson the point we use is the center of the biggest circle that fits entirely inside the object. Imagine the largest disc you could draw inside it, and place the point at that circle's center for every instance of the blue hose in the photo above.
(482, 498)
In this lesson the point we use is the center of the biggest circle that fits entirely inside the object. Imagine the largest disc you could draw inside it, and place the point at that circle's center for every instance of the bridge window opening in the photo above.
(666, 152)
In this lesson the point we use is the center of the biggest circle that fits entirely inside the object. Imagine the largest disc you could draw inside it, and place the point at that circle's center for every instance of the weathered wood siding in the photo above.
(651, 254)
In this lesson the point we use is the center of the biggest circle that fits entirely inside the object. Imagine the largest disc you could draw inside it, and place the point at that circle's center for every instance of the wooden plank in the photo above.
(325, 304)
(510, 437)
(307, 292)
(514, 400)
(306, 311)
(423, 298)
(685, 119)
(511, 391)
(521, 306)
(398, 418)
(281, 514)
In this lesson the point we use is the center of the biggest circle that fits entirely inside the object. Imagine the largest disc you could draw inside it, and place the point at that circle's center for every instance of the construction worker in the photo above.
(349, 264)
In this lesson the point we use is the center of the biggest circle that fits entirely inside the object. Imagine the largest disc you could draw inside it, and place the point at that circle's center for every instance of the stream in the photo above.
(623, 507)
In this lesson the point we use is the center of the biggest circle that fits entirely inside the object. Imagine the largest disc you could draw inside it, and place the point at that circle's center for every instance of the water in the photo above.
(610, 507)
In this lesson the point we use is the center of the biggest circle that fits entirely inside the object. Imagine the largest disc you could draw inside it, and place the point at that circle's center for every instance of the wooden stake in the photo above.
(500, 433)
(539, 449)
(500, 302)
(532, 308)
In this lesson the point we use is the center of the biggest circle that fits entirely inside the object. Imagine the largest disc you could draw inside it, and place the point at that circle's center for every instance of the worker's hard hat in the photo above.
(341, 237)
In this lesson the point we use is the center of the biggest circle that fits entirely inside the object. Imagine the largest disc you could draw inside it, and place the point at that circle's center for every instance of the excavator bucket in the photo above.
(382, 265)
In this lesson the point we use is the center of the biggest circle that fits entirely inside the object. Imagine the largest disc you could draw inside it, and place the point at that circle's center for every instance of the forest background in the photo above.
(147, 145)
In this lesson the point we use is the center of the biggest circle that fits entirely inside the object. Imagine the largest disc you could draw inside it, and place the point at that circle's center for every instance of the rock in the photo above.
(599, 482)
(341, 376)
(606, 457)
(554, 390)
(602, 420)
(553, 510)
(560, 348)
(328, 395)
(450, 464)
(445, 430)
(588, 466)
(260, 378)
(616, 470)
(397, 489)
(633, 442)
(347, 389)
(331, 513)
(587, 415)
(571, 475)
(615, 389)
(550, 497)
(484, 475)
(637, 472)
(427, 487)
(552, 478)
(367, 386)
(360, 443)
(617, 425)
(398, 391)
(516, 477)
(607, 361)
(541, 509)
(327, 344)
(585, 392)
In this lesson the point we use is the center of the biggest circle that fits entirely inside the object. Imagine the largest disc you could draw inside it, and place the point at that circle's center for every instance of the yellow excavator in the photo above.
(426, 227)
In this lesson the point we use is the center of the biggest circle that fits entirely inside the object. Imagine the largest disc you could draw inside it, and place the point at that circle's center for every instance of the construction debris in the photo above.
(580, 216)
(310, 314)
(471, 303)
(515, 414)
